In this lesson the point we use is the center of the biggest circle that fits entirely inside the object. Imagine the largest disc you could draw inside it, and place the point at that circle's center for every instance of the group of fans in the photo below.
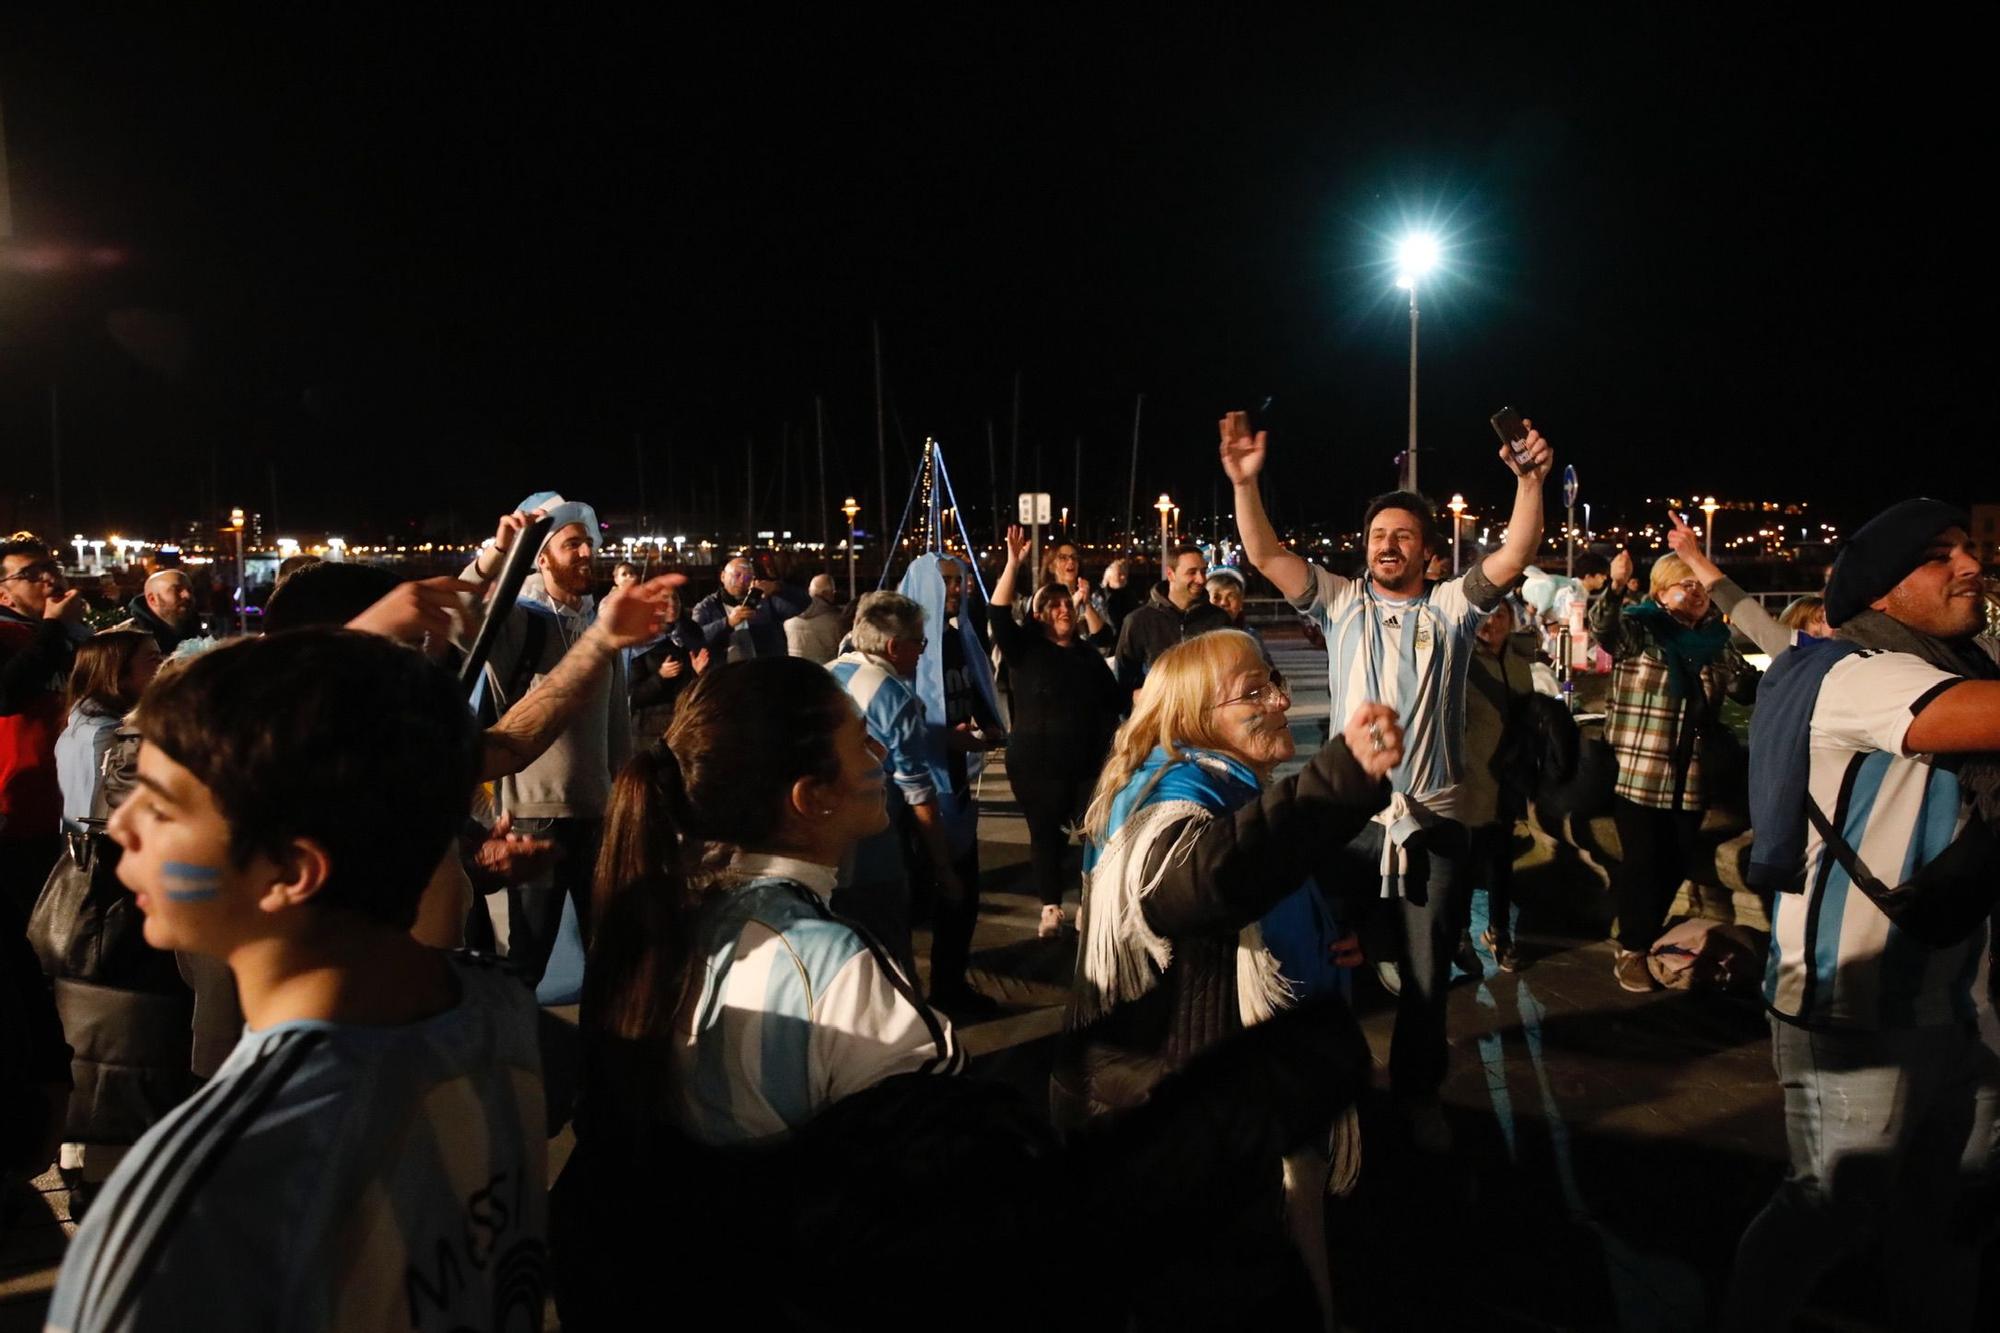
(292, 1099)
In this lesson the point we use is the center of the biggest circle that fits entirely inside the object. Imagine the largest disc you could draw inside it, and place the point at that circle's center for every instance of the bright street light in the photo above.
(1166, 508)
(1416, 255)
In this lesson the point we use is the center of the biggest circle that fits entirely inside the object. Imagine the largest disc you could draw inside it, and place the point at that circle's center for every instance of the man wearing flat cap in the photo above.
(562, 796)
(1875, 779)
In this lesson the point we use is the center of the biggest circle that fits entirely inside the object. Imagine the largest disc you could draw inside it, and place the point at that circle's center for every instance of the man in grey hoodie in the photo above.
(563, 794)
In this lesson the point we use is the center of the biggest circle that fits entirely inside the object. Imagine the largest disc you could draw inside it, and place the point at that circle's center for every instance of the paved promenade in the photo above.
(1610, 1146)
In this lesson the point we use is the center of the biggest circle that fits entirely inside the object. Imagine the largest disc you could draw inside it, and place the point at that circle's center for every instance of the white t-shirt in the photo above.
(1836, 960)
(1411, 655)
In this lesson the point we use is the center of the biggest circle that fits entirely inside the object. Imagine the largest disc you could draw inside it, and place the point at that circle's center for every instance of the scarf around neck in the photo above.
(1121, 957)
(1686, 649)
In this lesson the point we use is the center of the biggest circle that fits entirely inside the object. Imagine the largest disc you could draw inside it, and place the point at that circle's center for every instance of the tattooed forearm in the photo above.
(532, 725)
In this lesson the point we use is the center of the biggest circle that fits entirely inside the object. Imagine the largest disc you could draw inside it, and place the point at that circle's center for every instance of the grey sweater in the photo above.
(572, 778)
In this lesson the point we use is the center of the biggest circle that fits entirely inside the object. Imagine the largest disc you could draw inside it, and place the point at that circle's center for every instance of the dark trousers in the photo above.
(953, 916)
(1493, 870)
(881, 908)
(1655, 852)
(534, 910)
(1050, 802)
(1419, 931)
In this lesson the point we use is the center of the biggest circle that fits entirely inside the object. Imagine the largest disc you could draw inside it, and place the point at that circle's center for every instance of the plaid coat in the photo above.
(1656, 737)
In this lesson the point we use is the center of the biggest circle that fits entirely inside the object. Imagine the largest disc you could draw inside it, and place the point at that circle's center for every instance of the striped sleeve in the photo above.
(1869, 700)
(869, 1025)
(1321, 601)
(901, 728)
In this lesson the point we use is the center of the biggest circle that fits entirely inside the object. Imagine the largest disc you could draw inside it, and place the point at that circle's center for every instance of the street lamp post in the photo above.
(1416, 254)
(1166, 508)
(1708, 508)
(850, 509)
(1457, 508)
(242, 598)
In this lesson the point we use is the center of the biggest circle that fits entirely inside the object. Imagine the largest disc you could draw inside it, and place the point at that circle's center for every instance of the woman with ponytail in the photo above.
(723, 998)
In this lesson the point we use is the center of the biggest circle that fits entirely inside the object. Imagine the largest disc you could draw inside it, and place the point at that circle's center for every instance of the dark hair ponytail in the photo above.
(741, 736)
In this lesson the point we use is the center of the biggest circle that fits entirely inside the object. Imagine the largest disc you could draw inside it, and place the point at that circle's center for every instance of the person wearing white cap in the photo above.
(563, 794)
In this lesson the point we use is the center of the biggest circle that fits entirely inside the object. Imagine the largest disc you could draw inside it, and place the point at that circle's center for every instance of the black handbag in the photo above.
(1948, 897)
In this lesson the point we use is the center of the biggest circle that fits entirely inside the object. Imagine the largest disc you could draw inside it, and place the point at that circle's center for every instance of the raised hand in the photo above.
(632, 615)
(1680, 537)
(700, 661)
(411, 611)
(66, 605)
(1082, 594)
(1621, 569)
(1374, 738)
(1242, 453)
(1017, 543)
(671, 667)
(1536, 450)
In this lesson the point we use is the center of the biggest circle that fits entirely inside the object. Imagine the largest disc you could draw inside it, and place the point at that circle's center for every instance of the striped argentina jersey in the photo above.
(333, 1176)
(797, 1009)
(1411, 655)
(1836, 960)
(895, 719)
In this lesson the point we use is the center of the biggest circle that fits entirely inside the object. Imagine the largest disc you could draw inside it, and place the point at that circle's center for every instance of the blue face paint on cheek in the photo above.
(190, 883)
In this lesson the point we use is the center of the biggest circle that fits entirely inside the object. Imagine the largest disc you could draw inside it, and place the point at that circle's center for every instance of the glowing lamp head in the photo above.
(1163, 504)
(1416, 255)
(236, 518)
(1457, 505)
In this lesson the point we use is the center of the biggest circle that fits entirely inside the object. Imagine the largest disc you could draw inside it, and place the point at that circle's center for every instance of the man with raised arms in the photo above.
(1393, 639)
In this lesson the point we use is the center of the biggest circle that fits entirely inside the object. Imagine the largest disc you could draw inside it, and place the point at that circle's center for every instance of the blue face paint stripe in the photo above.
(197, 883)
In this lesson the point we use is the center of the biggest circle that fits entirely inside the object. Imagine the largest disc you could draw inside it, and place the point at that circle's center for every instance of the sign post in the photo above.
(1035, 511)
(1569, 503)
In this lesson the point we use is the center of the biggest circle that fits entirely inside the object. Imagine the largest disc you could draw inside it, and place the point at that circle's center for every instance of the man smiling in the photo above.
(1393, 640)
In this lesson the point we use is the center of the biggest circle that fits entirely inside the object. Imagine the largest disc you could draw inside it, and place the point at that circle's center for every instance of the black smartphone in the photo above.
(754, 598)
(1507, 425)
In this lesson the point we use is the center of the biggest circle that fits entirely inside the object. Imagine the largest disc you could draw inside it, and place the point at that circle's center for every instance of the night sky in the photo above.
(418, 267)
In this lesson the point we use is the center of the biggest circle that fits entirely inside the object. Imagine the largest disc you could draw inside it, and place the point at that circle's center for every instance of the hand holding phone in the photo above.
(1507, 425)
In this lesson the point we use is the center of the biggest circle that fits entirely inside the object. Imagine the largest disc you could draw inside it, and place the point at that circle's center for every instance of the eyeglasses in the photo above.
(1263, 695)
(1688, 586)
(45, 571)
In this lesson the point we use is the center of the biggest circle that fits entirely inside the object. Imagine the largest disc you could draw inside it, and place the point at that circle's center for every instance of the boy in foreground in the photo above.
(371, 1155)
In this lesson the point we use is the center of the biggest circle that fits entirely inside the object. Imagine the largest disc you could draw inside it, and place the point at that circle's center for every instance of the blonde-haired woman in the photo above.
(1672, 666)
(1191, 843)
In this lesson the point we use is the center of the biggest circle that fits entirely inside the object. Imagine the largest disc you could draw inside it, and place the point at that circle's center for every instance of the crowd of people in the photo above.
(279, 905)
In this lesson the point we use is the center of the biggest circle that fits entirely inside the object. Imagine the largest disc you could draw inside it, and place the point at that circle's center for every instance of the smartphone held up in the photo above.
(1513, 433)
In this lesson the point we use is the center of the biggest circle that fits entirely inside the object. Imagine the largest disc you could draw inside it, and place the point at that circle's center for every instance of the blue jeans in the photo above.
(1419, 931)
(1895, 1138)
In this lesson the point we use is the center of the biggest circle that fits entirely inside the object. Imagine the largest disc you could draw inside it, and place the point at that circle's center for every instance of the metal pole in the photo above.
(1412, 455)
(242, 597)
(851, 594)
(881, 439)
(1132, 488)
(1455, 517)
(55, 460)
(1571, 570)
(819, 436)
(1166, 570)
